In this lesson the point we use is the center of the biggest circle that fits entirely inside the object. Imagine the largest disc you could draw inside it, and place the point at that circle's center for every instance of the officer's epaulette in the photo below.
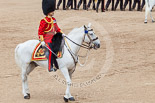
(49, 22)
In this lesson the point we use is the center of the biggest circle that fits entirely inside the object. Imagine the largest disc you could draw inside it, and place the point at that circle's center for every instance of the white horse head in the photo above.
(90, 37)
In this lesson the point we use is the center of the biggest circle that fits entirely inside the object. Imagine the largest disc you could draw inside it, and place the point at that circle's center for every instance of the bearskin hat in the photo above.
(48, 6)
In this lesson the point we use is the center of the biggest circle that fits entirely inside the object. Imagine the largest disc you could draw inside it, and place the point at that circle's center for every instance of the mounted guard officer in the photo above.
(47, 29)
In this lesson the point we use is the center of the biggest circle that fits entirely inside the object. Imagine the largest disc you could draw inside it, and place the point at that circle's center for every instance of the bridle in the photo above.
(88, 46)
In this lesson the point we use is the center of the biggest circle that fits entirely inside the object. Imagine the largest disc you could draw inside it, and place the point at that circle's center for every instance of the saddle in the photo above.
(58, 48)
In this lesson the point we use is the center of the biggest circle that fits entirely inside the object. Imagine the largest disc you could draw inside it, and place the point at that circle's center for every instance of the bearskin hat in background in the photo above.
(48, 6)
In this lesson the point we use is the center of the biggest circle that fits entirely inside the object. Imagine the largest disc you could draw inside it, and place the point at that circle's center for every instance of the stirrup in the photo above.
(52, 70)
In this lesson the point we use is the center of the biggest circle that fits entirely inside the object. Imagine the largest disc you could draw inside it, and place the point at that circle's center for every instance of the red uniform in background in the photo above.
(48, 28)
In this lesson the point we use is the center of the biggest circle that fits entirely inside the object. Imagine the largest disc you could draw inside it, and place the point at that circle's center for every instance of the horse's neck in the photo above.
(78, 38)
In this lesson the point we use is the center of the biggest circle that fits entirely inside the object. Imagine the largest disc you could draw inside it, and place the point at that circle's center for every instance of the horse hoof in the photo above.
(145, 22)
(65, 99)
(28, 94)
(27, 97)
(153, 21)
(71, 99)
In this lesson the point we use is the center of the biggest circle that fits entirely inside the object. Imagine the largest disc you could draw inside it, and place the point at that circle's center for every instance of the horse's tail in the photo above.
(17, 59)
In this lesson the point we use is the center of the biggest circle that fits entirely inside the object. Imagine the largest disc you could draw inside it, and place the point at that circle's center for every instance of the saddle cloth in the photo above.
(39, 53)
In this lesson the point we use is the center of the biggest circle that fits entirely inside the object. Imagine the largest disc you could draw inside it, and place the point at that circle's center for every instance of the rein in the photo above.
(83, 45)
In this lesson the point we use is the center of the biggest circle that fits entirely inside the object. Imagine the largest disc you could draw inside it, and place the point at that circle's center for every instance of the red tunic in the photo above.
(48, 27)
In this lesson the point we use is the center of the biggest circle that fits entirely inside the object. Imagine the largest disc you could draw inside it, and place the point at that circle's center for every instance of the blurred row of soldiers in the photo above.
(103, 6)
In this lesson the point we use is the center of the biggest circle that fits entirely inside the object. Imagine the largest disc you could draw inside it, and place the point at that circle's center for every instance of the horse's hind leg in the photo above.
(25, 72)
(31, 67)
(25, 83)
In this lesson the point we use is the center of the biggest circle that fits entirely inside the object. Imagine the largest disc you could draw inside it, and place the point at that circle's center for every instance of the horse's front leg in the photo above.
(68, 95)
(146, 13)
(150, 9)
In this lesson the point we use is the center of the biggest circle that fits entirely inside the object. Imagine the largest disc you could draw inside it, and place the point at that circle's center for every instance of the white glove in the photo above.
(43, 43)
(63, 34)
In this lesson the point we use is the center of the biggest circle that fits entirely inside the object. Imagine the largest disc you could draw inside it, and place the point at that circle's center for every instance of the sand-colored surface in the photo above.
(130, 78)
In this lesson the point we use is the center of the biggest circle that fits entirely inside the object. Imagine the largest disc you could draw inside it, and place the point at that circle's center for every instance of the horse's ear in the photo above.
(85, 27)
(89, 25)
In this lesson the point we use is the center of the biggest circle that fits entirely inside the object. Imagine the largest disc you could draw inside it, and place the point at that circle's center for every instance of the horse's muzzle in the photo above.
(96, 46)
